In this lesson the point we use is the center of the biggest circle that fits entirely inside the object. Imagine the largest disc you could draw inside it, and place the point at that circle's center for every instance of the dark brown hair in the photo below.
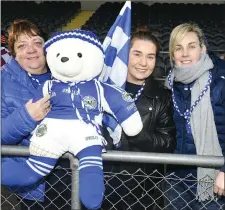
(18, 27)
(143, 33)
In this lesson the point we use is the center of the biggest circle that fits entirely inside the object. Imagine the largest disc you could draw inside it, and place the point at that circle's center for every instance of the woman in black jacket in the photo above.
(158, 134)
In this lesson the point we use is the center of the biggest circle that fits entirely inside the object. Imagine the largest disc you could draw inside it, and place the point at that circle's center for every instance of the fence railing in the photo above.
(124, 190)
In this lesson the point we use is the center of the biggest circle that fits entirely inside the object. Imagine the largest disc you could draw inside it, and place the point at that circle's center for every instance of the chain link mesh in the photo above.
(155, 191)
(124, 190)
(57, 194)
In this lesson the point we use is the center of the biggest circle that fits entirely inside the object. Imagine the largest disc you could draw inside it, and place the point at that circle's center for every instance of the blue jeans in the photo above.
(182, 196)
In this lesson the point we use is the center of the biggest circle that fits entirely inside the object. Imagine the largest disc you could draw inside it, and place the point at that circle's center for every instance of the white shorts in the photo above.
(54, 137)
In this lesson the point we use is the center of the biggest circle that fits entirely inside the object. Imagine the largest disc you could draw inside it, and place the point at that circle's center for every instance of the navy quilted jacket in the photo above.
(17, 89)
(185, 141)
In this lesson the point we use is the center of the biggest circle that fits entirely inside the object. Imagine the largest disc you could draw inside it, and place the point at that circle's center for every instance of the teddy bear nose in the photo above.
(64, 59)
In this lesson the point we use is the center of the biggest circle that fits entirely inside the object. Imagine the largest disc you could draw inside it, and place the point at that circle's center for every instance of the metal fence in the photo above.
(125, 189)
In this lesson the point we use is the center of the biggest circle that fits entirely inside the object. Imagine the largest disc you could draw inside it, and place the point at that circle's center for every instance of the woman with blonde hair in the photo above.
(197, 82)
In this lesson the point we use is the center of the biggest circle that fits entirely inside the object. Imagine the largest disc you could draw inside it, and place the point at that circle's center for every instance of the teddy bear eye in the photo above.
(57, 55)
(79, 55)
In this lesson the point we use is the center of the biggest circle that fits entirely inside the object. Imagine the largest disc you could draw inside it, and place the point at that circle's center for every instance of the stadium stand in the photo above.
(161, 18)
(49, 17)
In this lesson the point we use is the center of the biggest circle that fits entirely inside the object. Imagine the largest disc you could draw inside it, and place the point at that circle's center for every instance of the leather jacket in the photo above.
(158, 133)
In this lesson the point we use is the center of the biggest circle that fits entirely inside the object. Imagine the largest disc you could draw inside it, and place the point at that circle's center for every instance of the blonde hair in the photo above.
(179, 33)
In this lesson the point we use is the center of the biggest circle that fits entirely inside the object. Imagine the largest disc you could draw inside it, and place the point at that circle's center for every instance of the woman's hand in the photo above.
(219, 184)
(39, 109)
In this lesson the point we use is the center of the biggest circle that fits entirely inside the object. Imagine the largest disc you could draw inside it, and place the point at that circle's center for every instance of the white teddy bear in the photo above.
(78, 101)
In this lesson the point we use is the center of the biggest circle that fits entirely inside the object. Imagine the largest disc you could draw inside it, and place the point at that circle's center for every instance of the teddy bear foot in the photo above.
(93, 194)
(91, 177)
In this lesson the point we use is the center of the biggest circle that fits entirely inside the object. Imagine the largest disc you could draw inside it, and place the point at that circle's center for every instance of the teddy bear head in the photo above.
(74, 56)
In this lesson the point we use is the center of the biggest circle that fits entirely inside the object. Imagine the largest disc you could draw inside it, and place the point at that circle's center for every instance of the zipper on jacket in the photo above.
(145, 165)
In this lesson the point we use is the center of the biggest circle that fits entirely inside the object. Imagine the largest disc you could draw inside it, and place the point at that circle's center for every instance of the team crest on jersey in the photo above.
(90, 102)
(126, 97)
(41, 130)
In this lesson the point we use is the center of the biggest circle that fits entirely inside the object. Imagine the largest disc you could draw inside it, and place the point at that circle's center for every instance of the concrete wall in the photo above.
(93, 5)
(186, 1)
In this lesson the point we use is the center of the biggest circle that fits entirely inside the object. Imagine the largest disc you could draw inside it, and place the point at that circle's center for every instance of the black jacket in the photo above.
(158, 133)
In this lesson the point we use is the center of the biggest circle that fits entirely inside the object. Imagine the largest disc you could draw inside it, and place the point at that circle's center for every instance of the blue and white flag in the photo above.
(116, 47)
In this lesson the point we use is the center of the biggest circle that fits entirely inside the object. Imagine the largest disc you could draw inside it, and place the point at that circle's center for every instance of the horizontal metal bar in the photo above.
(17, 150)
(164, 158)
(138, 157)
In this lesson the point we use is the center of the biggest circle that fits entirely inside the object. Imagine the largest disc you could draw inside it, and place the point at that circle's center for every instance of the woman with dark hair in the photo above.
(20, 79)
(158, 134)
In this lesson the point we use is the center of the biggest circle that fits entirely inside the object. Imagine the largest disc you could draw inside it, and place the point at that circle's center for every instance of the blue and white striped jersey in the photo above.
(88, 100)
